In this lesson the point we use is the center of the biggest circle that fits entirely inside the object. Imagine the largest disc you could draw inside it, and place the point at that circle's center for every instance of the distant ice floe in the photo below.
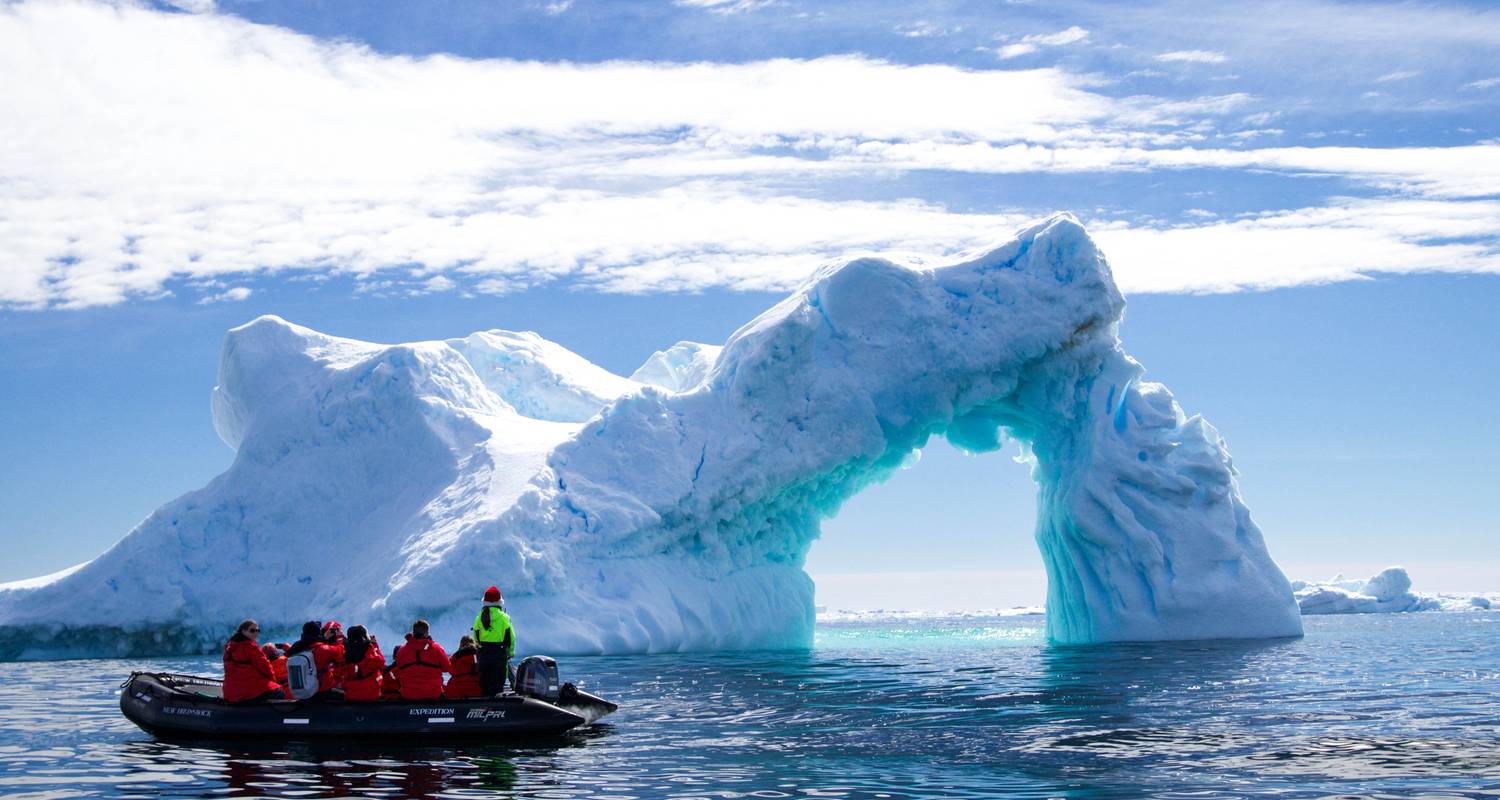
(1388, 591)
(894, 615)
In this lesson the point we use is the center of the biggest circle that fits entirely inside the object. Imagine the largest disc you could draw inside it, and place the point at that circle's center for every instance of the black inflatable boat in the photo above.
(165, 704)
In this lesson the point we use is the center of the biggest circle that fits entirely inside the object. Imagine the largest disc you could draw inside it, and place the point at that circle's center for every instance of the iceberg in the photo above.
(673, 510)
(678, 368)
(1388, 591)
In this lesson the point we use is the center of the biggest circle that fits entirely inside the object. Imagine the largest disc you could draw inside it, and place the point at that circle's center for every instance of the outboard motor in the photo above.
(537, 677)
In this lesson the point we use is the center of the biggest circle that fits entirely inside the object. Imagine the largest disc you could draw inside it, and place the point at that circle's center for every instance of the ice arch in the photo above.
(679, 515)
(682, 519)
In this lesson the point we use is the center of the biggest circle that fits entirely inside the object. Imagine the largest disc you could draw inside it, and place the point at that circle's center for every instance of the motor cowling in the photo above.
(537, 677)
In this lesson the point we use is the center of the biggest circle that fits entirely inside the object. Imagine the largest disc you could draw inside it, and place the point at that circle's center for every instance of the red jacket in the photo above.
(328, 657)
(420, 663)
(247, 673)
(278, 673)
(390, 685)
(465, 681)
(361, 680)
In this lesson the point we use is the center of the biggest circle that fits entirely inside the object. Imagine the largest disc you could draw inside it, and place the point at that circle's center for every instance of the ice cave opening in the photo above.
(949, 531)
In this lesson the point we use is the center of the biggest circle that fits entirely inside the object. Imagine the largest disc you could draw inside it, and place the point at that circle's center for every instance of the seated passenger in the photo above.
(278, 665)
(390, 685)
(247, 673)
(324, 656)
(420, 663)
(333, 633)
(333, 636)
(360, 670)
(465, 680)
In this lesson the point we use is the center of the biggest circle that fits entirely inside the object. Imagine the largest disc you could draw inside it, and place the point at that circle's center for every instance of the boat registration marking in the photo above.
(431, 720)
(292, 721)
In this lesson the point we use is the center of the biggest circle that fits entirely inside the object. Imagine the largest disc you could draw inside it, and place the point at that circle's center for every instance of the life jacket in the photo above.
(465, 680)
(328, 656)
(499, 630)
(390, 685)
(278, 670)
(361, 680)
(247, 673)
(420, 663)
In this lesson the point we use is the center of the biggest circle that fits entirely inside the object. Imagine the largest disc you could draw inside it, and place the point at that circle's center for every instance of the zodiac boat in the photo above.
(170, 705)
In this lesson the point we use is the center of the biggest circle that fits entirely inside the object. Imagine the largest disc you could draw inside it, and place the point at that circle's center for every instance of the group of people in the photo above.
(326, 663)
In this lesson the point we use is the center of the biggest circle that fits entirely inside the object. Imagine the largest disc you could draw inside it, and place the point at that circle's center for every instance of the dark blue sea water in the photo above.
(1379, 706)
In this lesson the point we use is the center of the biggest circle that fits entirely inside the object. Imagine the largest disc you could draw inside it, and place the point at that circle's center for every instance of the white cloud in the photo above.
(1034, 42)
(436, 284)
(1486, 83)
(234, 295)
(1193, 57)
(1398, 75)
(923, 29)
(1062, 37)
(128, 163)
(1017, 50)
(1344, 241)
(726, 6)
(193, 6)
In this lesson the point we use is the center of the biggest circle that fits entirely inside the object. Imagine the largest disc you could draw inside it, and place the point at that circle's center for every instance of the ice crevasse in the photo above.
(674, 509)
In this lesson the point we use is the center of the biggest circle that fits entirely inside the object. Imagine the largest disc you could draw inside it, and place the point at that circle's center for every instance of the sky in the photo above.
(1301, 202)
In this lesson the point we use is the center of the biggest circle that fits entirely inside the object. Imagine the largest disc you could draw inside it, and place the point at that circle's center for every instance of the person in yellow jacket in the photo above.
(497, 643)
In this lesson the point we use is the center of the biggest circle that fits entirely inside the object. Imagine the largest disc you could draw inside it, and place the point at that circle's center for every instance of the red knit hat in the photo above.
(492, 595)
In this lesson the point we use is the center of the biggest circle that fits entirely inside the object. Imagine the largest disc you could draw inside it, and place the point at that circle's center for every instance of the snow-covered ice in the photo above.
(678, 368)
(1385, 592)
(379, 483)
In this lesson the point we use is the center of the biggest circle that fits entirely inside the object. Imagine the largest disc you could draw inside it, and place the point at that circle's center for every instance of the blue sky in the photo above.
(1301, 201)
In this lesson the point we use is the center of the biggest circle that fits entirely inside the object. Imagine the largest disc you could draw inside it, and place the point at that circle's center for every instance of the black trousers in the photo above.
(493, 667)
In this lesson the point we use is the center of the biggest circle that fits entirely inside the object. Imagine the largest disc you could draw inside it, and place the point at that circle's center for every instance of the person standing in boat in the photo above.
(247, 673)
(497, 642)
(420, 664)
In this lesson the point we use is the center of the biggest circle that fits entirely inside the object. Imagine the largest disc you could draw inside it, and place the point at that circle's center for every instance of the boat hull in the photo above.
(187, 706)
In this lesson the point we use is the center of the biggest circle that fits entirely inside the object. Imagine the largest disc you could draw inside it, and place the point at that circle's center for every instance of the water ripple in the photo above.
(966, 708)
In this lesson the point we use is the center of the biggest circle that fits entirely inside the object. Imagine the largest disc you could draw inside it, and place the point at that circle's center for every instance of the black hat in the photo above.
(312, 629)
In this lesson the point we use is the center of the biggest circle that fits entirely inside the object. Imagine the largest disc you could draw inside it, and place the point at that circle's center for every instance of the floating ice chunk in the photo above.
(1388, 591)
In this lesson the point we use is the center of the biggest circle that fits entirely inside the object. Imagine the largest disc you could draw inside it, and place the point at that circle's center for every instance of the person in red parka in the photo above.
(277, 660)
(333, 637)
(390, 685)
(360, 670)
(420, 663)
(465, 680)
(247, 673)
